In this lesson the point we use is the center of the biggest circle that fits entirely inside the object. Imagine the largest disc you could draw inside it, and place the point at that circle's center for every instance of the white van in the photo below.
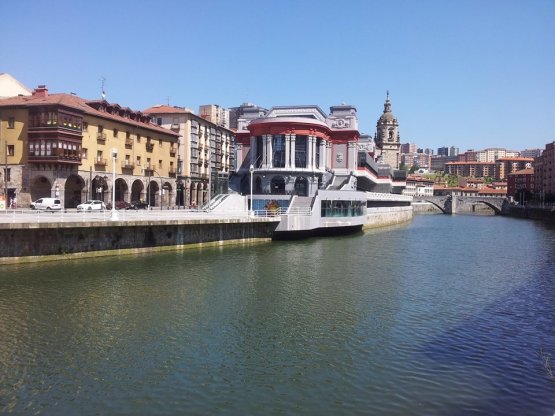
(49, 204)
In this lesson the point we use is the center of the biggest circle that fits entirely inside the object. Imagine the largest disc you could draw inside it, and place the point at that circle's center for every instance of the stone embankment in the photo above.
(532, 212)
(29, 242)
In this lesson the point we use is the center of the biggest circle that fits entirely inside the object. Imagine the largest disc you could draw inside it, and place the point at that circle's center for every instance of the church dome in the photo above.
(387, 117)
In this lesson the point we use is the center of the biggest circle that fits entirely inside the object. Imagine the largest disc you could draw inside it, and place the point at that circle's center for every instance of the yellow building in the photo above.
(61, 145)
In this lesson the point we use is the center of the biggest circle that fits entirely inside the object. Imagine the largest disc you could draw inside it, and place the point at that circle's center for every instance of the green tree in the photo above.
(452, 180)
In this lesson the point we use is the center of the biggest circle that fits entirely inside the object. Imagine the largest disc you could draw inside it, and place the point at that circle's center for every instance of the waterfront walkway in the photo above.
(27, 216)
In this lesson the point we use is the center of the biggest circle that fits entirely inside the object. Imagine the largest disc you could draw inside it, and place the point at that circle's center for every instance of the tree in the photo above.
(414, 168)
(452, 180)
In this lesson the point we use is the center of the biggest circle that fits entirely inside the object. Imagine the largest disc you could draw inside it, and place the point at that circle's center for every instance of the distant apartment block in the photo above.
(544, 173)
(408, 148)
(494, 153)
(240, 117)
(448, 151)
(531, 153)
(438, 162)
(215, 114)
(471, 169)
(421, 160)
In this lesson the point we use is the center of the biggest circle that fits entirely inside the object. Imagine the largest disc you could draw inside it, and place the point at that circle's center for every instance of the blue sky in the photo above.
(472, 74)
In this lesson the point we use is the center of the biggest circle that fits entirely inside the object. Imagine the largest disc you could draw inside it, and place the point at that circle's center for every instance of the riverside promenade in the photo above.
(30, 236)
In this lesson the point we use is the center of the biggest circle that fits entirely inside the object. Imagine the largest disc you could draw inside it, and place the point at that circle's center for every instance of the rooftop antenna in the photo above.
(168, 100)
(103, 93)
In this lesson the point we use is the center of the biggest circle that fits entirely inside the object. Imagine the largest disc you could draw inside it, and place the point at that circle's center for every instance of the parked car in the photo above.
(92, 205)
(137, 205)
(122, 205)
(119, 205)
(48, 204)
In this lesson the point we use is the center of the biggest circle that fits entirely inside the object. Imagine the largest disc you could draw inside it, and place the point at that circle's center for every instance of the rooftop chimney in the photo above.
(41, 91)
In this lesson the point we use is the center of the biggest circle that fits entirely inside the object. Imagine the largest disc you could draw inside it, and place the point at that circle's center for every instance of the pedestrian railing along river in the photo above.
(32, 216)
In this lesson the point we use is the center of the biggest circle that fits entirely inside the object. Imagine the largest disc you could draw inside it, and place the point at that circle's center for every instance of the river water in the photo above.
(447, 315)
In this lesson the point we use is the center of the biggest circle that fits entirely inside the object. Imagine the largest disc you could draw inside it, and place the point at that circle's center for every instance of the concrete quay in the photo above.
(31, 237)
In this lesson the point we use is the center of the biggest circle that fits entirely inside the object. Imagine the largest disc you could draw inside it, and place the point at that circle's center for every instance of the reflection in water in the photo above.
(443, 316)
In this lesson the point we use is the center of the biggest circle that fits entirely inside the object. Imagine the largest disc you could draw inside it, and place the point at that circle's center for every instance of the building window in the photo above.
(159, 121)
(11, 150)
(300, 152)
(115, 133)
(159, 164)
(85, 126)
(100, 129)
(278, 147)
(138, 160)
(84, 153)
(11, 122)
(138, 138)
(8, 174)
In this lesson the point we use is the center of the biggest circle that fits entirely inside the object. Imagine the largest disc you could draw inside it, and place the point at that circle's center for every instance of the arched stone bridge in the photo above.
(451, 204)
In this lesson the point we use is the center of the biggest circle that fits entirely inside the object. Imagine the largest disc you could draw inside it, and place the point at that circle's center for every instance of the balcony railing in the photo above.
(100, 161)
(175, 127)
(128, 142)
(101, 137)
(149, 147)
(127, 164)
(173, 150)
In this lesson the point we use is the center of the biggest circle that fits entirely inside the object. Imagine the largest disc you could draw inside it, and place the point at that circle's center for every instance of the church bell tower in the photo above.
(387, 136)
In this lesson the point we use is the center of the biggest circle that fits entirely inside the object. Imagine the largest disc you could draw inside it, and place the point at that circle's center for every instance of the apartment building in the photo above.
(206, 153)
(544, 174)
(215, 114)
(522, 180)
(507, 165)
(471, 169)
(63, 146)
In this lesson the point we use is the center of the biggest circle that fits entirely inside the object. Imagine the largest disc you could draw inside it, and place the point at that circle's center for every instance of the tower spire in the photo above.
(387, 105)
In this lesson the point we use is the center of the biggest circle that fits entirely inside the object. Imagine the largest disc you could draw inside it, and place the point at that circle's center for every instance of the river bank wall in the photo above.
(29, 242)
(530, 212)
(33, 242)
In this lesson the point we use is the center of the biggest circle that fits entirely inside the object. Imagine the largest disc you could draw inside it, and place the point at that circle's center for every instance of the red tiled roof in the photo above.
(80, 104)
(528, 171)
(166, 109)
(470, 163)
(516, 159)
(492, 191)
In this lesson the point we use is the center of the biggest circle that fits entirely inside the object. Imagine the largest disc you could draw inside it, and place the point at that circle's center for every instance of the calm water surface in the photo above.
(444, 316)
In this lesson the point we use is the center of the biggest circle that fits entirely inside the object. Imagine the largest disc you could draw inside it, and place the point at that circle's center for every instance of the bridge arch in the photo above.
(495, 208)
(434, 203)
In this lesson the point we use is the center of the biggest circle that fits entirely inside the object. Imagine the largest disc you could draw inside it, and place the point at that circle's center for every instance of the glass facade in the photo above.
(342, 208)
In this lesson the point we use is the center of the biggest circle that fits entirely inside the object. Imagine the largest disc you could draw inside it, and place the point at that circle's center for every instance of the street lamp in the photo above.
(114, 216)
(251, 170)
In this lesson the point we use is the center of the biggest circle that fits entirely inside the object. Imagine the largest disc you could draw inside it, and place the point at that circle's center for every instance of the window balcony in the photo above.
(128, 143)
(149, 147)
(173, 150)
(100, 161)
(175, 127)
(101, 137)
(127, 164)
